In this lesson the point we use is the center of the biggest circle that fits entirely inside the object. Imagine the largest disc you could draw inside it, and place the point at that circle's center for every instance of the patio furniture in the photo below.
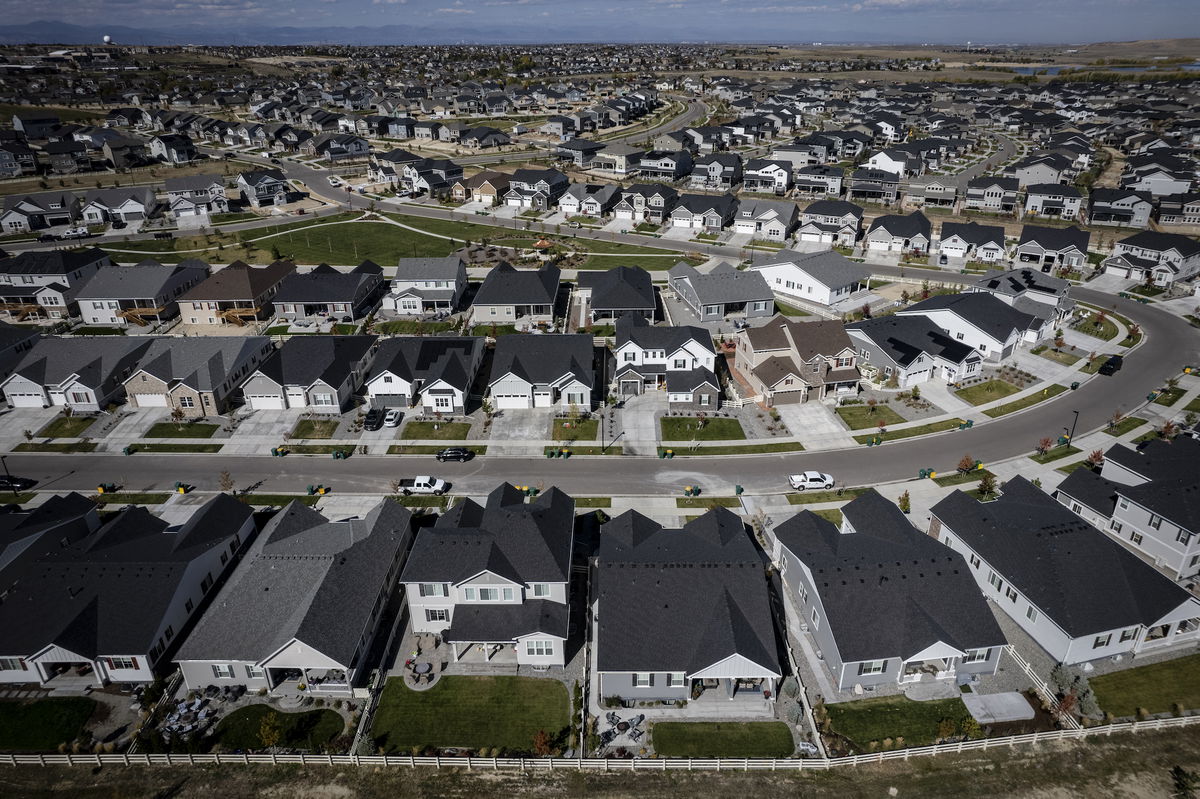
(607, 737)
(613, 718)
(637, 720)
(635, 735)
(423, 668)
(623, 726)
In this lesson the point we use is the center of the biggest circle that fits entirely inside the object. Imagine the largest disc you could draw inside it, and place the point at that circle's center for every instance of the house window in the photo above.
(79, 397)
(675, 679)
(816, 620)
(12, 664)
(872, 667)
(643, 680)
(489, 594)
(469, 594)
(187, 606)
(169, 632)
(539, 648)
(1101, 640)
(704, 399)
(541, 589)
(995, 581)
(508, 595)
(680, 363)
(844, 363)
(1124, 504)
(387, 378)
(1115, 526)
(122, 663)
(442, 403)
(1031, 613)
(630, 356)
(206, 583)
(433, 589)
(254, 673)
(322, 399)
(975, 561)
(1183, 537)
(224, 558)
(1129, 635)
(958, 336)
(223, 671)
(1011, 594)
(436, 614)
(1155, 522)
(1136, 539)
(187, 402)
(976, 655)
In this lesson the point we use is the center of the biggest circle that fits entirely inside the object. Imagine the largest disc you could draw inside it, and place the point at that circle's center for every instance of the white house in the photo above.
(824, 278)
(434, 373)
(982, 322)
(314, 373)
(547, 371)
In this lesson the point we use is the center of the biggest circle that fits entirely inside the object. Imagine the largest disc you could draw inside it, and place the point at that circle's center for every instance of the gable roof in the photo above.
(94, 360)
(991, 315)
(1055, 238)
(1161, 242)
(200, 362)
(239, 281)
(147, 279)
(903, 338)
(507, 285)
(974, 233)
(723, 283)
(907, 227)
(828, 267)
(303, 360)
(429, 358)
(637, 329)
(621, 288)
(544, 359)
(326, 284)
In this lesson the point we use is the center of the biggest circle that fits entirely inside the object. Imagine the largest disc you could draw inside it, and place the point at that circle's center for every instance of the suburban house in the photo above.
(873, 185)
(618, 158)
(767, 176)
(143, 294)
(1153, 257)
(89, 603)
(1031, 291)
(326, 291)
(130, 205)
(670, 165)
(983, 322)
(265, 187)
(388, 168)
(769, 220)
(579, 152)
(646, 202)
(972, 241)
(193, 199)
(679, 360)
(487, 187)
(909, 613)
(197, 375)
(66, 157)
(935, 193)
(235, 295)
(911, 350)
(1174, 209)
(900, 234)
(493, 580)
(530, 371)
(84, 374)
(43, 284)
(702, 627)
(724, 292)
(613, 293)
(1053, 200)
(589, 199)
(426, 285)
(993, 194)
(537, 189)
(17, 158)
(1119, 207)
(433, 373)
(824, 277)
(173, 148)
(301, 610)
(1145, 499)
(717, 171)
(26, 212)
(819, 179)
(785, 362)
(1080, 595)
(704, 212)
(313, 373)
(509, 294)
(832, 222)
(15, 342)
(1052, 248)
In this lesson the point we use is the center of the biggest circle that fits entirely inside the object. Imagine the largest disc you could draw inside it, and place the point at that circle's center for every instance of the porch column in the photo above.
(731, 687)
(454, 650)
(41, 672)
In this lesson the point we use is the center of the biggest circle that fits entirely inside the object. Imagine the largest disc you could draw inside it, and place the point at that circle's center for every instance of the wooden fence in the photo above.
(546, 764)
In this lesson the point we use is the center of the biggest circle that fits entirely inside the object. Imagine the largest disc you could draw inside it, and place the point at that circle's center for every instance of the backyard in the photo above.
(312, 730)
(691, 428)
(44, 724)
(1155, 688)
(471, 712)
(875, 720)
(722, 739)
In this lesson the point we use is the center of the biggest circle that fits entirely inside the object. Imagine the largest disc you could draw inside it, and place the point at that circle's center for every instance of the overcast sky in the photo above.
(907, 21)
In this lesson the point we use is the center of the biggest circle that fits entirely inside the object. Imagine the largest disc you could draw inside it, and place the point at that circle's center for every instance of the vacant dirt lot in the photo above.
(1122, 767)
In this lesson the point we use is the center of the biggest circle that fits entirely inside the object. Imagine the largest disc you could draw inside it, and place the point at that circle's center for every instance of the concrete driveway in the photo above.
(638, 421)
(511, 428)
(816, 425)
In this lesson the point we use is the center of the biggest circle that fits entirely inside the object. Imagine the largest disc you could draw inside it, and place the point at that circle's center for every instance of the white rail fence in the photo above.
(593, 764)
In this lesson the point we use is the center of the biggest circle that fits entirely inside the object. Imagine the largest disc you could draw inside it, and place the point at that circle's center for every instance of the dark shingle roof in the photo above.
(989, 314)
(903, 338)
(429, 358)
(624, 288)
(506, 285)
(544, 359)
(1055, 238)
(303, 360)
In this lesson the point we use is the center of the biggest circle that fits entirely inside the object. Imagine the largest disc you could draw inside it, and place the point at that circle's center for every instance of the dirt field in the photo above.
(1123, 767)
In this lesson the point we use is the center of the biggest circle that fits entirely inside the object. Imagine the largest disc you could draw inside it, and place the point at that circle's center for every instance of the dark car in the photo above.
(276, 161)
(1112, 365)
(47, 237)
(14, 483)
(459, 454)
(373, 420)
(118, 224)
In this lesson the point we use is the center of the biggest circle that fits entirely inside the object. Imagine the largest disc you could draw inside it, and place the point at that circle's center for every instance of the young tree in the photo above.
(177, 416)
(905, 502)
(269, 730)
(225, 481)
(542, 743)
(966, 463)
(872, 406)
(1044, 445)
(1168, 430)
(1095, 458)
(916, 392)
(987, 485)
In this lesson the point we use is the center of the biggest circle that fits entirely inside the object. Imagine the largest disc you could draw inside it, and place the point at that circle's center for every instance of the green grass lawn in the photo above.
(315, 428)
(1125, 425)
(472, 712)
(1070, 467)
(648, 262)
(446, 431)
(493, 330)
(833, 515)
(1193, 406)
(860, 417)
(582, 430)
(593, 502)
(987, 391)
(79, 446)
(683, 428)
(877, 718)
(1065, 358)
(66, 426)
(1170, 396)
(1092, 367)
(721, 739)
(1106, 330)
(707, 502)
(1025, 402)
(958, 478)
(788, 310)
(151, 446)
(1055, 453)
(278, 500)
(814, 497)
(172, 430)
(909, 432)
(742, 449)
(428, 449)
(42, 725)
(319, 449)
(132, 498)
(310, 730)
(411, 327)
(1154, 688)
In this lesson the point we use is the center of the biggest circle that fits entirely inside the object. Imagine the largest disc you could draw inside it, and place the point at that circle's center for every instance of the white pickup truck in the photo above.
(423, 484)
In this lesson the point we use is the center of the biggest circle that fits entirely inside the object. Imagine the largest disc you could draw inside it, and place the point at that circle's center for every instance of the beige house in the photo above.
(487, 187)
(235, 295)
(785, 362)
(197, 375)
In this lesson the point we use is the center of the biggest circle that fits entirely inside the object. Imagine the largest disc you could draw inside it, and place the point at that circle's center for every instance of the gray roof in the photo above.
(192, 183)
(520, 541)
(429, 268)
(304, 578)
(303, 360)
(723, 283)
(1016, 282)
(681, 600)
(544, 358)
(146, 280)
(622, 288)
(429, 358)
(1078, 576)
(326, 284)
(1055, 238)
(888, 589)
(903, 338)
(506, 285)
(95, 360)
(974, 233)
(993, 316)
(240, 281)
(639, 330)
(50, 262)
(474, 623)
(910, 226)
(200, 362)
(829, 267)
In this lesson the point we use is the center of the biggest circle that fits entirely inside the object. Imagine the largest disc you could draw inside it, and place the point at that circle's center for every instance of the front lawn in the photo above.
(172, 430)
(986, 391)
(1025, 402)
(1125, 425)
(909, 432)
(708, 502)
(471, 712)
(1170, 396)
(445, 431)
(688, 428)
(958, 478)
(66, 426)
(151, 446)
(55, 446)
(878, 718)
(1065, 358)
(860, 417)
(813, 497)
(131, 498)
(1055, 453)
(1154, 688)
(722, 739)
(312, 730)
(1107, 329)
(581, 430)
(315, 428)
(42, 725)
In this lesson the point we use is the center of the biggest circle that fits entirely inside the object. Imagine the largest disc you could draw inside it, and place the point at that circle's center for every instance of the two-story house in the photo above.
(432, 373)
(646, 202)
(537, 189)
(983, 322)
(508, 294)
(910, 350)
(315, 373)
(669, 165)
(1159, 258)
(769, 220)
(197, 375)
(717, 171)
(1030, 291)
(426, 285)
(1052, 248)
(27, 212)
(1119, 208)
(43, 283)
(873, 185)
(996, 195)
(328, 292)
(786, 362)
(832, 222)
(142, 294)
(237, 294)
(265, 187)
(194, 199)
(680, 360)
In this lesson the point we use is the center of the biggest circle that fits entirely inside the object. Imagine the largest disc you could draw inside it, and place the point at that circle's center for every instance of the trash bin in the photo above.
(1074, 385)
(737, 490)
(312, 490)
(127, 451)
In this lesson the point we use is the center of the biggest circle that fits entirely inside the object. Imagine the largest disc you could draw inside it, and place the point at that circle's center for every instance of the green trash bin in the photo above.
(737, 490)
(1074, 385)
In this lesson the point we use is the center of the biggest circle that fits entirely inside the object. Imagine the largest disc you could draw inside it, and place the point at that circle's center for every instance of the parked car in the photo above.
(424, 484)
(1112, 365)
(276, 161)
(118, 225)
(47, 237)
(14, 483)
(392, 418)
(373, 420)
(75, 233)
(573, 224)
(460, 454)
(943, 260)
(335, 181)
(807, 480)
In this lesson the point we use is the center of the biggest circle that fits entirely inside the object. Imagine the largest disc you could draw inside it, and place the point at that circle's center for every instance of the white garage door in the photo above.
(149, 400)
(954, 251)
(626, 215)
(681, 223)
(514, 203)
(268, 402)
(817, 237)
(511, 400)
(26, 400)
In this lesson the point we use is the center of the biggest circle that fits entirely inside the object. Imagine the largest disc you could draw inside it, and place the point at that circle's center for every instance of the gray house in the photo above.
(198, 375)
(43, 284)
(1053, 200)
(142, 294)
(1120, 207)
(912, 350)
(301, 610)
(326, 291)
(434, 373)
(613, 293)
(722, 293)
(424, 285)
(85, 374)
(508, 294)
(494, 579)
(1052, 247)
(911, 612)
(530, 371)
(684, 615)
(1161, 258)
(680, 359)
(314, 373)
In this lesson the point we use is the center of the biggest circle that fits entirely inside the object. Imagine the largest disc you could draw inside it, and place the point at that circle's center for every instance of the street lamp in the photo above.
(1071, 434)
(11, 484)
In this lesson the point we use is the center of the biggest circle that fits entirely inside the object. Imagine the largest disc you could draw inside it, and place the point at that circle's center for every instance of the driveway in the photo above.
(512, 428)
(638, 421)
(816, 425)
